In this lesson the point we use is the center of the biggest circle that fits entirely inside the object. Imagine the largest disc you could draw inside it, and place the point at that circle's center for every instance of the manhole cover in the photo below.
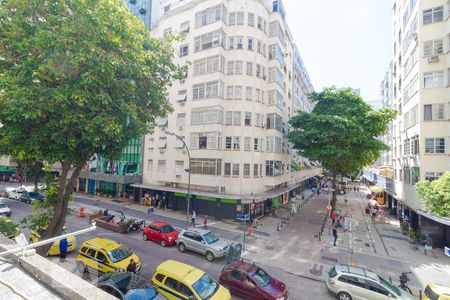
(269, 248)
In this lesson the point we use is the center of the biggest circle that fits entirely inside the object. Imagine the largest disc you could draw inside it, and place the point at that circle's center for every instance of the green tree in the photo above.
(341, 132)
(436, 195)
(78, 77)
(31, 169)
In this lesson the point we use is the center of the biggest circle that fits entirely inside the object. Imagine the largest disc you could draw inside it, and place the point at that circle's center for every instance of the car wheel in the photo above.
(181, 247)
(163, 243)
(145, 237)
(209, 256)
(344, 296)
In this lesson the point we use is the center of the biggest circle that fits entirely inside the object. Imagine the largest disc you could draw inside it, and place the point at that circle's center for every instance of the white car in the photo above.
(15, 193)
(4, 209)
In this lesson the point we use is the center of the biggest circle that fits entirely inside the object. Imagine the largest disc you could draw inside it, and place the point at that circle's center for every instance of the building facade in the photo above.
(420, 81)
(245, 80)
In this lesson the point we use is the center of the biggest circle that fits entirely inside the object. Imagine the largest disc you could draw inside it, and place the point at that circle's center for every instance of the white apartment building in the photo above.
(245, 80)
(420, 79)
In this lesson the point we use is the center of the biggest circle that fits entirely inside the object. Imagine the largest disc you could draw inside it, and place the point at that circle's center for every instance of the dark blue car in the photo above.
(29, 197)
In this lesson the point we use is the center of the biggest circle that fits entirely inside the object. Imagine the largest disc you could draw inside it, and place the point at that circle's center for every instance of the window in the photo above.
(209, 65)
(259, 23)
(206, 166)
(374, 287)
(257, 120)
(184, 27)
(433, 48)
(171, 283)
(250, 44)
(255, 170)
(162, 143)
(273, 168)
(206, 140)
(256, 144)
(274, 121)
(181, 119)
(234, 92)
(227, 169)
(248, 92)
(234, 67)
(433, 112)
(415, 145)
(248, 119)
(166, 9)
(210, 15)
(182, 96)
(207, 90)
(435, 145)
(258, 71)
(433, 79)
(209, 40)
(151, 143)
(433, 15)
(273, 144)
(247, 143)
(159, 277)
(236, 143)
(184, 50)
(235, 169)
(207, 115)
(251, 19)
(150, 165)
(257, 94)
(239, 42)
(246, 170)
(250, 68)
(167, 31)
(232, 19)
(161, 166)
(240, 18)
(432, 175)
(179, 166)
(228, 142)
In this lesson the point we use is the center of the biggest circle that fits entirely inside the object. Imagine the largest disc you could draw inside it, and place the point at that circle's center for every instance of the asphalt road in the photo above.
(152, 254)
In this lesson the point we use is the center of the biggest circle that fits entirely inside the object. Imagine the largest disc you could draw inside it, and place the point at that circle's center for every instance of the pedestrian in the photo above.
(428, 243)
(318, 192)
(373, 212)
(194, 216)
(333, 217)
(345, 200)
(132, 266)
(335, 234)
(205, 221)
(357, 188)
(63, 244)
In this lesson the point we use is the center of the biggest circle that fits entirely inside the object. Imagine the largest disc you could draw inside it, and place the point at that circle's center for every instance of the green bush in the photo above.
(8, 228)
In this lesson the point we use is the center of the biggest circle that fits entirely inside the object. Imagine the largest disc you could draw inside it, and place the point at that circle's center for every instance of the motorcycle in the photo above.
(135, 225)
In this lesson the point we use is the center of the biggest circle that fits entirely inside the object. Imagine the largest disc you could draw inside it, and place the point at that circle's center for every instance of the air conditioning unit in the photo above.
(433, 59)
(180, 128)
(221, 190)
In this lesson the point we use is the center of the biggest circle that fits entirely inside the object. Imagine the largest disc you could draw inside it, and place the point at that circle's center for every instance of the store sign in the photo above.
(447, 251)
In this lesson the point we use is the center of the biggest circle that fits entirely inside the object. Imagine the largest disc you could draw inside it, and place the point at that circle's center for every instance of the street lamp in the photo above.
(189, 174)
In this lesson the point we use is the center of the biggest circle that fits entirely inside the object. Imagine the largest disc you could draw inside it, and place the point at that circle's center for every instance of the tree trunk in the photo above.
(334, 187)
(66, 184)
(36, 181)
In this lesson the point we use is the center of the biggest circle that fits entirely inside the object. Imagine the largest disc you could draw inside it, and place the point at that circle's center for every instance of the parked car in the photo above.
(103, 255)
(202, 241)
(177, 280)
(4, 209)
(127, 286)
(15, 193)
(349, 283)
(249, 281)
(35, 236)
(29, 197)
(436, 292)
(160, 232)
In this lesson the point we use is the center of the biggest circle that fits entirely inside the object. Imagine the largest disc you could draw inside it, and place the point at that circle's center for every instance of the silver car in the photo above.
(202, 241)
(4, 209)
(355, 283)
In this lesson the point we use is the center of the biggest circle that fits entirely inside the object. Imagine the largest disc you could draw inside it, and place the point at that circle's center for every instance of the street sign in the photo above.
(329, 207)
(447, 251)
(242, 217)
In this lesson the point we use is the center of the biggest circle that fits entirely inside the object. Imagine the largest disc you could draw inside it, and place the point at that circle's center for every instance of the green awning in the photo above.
(7, 170)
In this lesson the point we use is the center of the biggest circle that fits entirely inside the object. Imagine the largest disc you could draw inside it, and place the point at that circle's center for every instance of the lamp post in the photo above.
(189, 174)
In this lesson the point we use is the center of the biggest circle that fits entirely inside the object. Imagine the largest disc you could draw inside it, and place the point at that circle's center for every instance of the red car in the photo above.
(160, 232)
(249, 281)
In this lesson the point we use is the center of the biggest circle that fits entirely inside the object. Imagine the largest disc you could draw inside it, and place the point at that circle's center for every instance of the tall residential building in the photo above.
(245, 81)
(146, 10)
(420, 81)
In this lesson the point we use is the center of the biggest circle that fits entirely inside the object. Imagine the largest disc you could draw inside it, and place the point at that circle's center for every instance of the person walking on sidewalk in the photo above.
(205, 221)
(428, 243)
(333, 217)
(63, 245)
(345, 200)
(194, 216)
(335, 234)
(373, 212)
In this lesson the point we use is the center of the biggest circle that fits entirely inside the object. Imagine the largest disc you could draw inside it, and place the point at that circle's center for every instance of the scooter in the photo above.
(135, 225)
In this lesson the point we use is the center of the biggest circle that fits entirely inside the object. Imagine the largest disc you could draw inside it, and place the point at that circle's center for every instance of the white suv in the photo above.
(361, 284)
(202, 241)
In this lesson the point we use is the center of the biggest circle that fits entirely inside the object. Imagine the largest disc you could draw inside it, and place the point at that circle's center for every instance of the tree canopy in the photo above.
(436, 195)
(77, 78)
(341, 131)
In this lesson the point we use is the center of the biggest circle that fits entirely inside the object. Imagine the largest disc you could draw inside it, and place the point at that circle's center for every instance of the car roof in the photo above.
(440, 289)
(159, 223)
(178, 269)
(198, 230)
(105, 244)
(356, 271)
(243, 266)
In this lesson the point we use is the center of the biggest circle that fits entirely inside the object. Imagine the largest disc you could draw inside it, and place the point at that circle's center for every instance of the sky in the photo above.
(346, 43)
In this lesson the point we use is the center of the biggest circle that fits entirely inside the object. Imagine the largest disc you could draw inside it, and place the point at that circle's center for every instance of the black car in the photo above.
(127, 286)
(29, 197)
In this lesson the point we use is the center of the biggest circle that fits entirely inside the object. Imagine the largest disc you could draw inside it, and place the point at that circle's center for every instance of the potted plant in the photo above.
(413, 235)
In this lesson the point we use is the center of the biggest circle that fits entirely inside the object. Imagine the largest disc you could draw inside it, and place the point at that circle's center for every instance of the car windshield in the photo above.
(34, 194)
(3, 205)
(133, 286)
(119, 254)
(210, 238)
(390, 286)
(167, 229)
(205, 287)
(261, 277)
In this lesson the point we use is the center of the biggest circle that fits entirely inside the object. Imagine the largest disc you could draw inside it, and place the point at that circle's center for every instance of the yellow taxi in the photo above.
(54, 250)
(104, 255)
(177, 280)
(436, 292)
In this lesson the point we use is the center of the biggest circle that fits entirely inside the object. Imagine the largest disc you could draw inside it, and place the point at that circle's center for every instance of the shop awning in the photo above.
(7, 170)
(376, 189)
